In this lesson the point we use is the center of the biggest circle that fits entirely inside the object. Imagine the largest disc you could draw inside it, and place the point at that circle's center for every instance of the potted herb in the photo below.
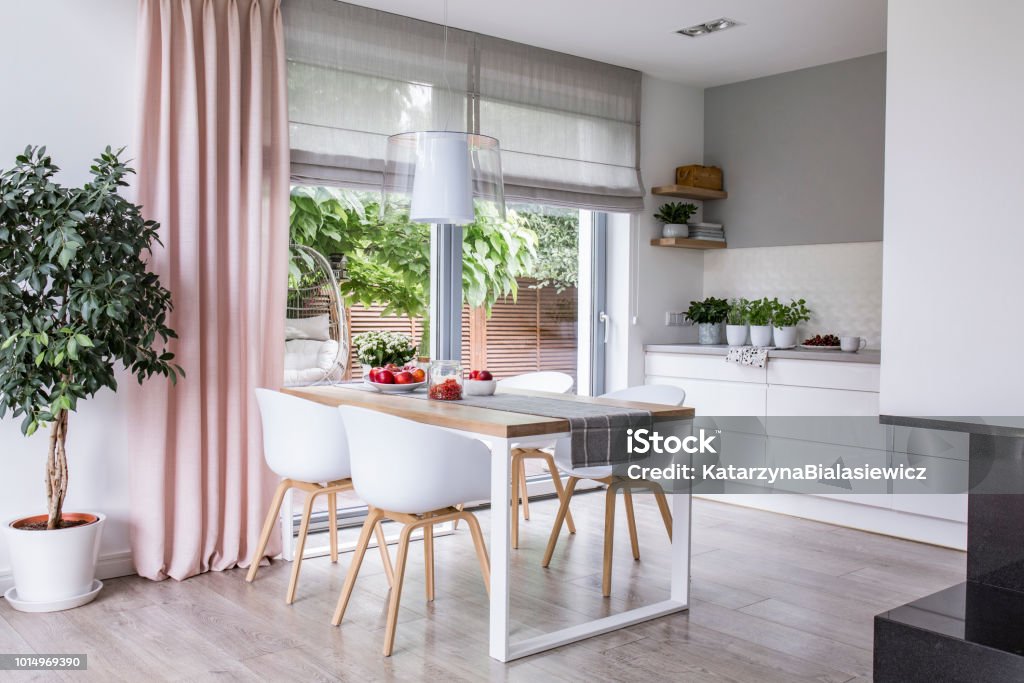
(759, 315)
(736, 322)
(785, 318)
(708, 315)
(76, 301)
(674, 216)
(380, 348)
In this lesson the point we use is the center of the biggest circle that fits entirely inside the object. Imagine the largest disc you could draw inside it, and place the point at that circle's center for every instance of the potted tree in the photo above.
(708, 315)
(674, 216)
(76, 301)
(785, 318)
(736, 322)
(759, 315)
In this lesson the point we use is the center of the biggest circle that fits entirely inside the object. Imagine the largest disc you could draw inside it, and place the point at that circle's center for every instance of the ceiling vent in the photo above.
(708, 27)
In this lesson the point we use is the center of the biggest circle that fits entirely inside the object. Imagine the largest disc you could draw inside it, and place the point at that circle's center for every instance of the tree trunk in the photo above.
(57, 470)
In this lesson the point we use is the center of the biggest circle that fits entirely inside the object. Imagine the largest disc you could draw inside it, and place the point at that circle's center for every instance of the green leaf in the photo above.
(83, 341)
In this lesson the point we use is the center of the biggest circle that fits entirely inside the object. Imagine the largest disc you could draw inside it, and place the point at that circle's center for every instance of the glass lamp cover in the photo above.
(437, 175)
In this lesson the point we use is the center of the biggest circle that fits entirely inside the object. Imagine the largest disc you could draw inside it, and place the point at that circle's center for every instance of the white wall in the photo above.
(954, 238)
(842, 283)
(68, 84)
(672, 134)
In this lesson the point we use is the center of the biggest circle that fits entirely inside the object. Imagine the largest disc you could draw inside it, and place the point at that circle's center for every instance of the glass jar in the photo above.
(445, 380)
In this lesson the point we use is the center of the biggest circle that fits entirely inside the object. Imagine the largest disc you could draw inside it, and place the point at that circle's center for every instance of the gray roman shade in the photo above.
(569, 127)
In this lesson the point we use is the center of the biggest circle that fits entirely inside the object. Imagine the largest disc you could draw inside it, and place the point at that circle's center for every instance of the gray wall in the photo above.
(802, 154)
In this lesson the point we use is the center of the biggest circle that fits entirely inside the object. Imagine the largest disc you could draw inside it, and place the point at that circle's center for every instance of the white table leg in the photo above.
(500, 646)
(501, 544)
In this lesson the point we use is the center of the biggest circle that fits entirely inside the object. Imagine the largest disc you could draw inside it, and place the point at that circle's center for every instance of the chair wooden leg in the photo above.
(385, 557)
(563, 511)
(300, 546)
(517, 463)
(396, 590)
(609, 536)
(268, 528)
(372, 522)
(556, 480)
(428, 560)
(523, 491)
(631, 519)
(666, 514)
(332, 520)
(460, 507)
(481, 549)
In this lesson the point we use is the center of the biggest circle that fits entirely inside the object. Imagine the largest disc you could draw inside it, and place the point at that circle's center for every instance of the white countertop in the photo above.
(872, 356)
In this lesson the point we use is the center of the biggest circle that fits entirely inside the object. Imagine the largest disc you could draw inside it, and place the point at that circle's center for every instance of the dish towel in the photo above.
(754, 356)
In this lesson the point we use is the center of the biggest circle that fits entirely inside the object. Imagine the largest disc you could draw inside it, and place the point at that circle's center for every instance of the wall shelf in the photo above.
(684, 192)
(686, 243)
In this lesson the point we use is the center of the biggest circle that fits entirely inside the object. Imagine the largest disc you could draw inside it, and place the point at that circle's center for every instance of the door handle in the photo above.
(606, 321)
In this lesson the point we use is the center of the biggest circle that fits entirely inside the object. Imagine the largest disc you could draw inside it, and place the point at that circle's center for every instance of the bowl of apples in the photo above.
(392, 379)
(480, 383)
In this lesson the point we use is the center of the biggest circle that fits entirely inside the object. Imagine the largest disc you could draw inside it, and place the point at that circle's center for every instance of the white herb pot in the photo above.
(709, 333)
(785, 337)
(736, 335)
(675, 230)
(761, 335)
(56, 569)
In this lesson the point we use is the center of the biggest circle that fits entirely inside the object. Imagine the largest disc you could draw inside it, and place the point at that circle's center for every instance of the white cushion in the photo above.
(318, 328)
(307, 361)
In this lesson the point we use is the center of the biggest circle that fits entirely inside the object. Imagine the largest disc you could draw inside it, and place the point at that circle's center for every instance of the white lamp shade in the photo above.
(440, 175)
(441, 189)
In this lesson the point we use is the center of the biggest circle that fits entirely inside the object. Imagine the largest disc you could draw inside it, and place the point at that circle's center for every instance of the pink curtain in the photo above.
(212, 161)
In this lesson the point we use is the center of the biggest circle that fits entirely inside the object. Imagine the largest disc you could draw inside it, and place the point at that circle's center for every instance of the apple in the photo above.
(373, 374)
(385, 377)
(484, 376)
(419, 375)
(404, 377)
(473, 374)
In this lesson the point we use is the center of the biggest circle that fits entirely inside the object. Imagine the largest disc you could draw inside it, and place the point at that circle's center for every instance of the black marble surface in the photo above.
(995, 518)
(974, 631)
(968, 632)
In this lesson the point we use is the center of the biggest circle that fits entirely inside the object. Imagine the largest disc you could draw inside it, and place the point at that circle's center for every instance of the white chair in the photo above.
(415, 474)
(651, 393)
(555, 383)
(305, 444)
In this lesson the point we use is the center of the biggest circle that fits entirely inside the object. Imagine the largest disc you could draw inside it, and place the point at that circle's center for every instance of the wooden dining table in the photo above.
(502, 430)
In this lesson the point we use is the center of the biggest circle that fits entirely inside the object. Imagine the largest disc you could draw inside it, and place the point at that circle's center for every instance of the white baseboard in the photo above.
(109, 566)
(889, 522)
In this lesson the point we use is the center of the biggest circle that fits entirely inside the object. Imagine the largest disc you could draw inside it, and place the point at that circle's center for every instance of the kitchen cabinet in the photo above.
(795, 411)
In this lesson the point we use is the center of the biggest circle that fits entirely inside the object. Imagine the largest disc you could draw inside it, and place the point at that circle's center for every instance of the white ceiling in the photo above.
(776, 36)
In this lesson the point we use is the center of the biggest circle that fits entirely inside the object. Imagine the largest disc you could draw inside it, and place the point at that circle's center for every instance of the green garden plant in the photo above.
(710, 310)
(791, 314)
(675, 213)
(739, 312)
(76, 299)
(760, 312)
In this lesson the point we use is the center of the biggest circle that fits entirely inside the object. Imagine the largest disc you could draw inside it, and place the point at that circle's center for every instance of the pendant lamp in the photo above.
(441, 173)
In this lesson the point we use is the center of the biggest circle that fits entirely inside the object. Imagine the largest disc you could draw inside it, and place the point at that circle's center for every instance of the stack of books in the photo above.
(707, 231)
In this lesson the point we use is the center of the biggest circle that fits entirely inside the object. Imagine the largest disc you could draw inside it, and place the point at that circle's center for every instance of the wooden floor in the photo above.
(775, 598)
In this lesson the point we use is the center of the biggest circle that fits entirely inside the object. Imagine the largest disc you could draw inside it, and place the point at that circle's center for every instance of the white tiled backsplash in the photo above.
(842, 283)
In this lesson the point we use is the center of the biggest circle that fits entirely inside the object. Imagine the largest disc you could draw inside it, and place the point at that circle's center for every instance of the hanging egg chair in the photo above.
(316, 333)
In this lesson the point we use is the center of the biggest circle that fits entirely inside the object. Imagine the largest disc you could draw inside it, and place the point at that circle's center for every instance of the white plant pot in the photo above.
(785, 337)
(761, 335)
(709, 333)
(736, 335)
(675, 230)
(55, 569)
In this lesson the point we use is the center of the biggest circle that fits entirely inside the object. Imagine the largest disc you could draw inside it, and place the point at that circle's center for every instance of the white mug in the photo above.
(852, 344)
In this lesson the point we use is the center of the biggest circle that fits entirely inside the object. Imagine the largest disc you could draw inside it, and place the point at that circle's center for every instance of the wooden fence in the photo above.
(536, 332)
